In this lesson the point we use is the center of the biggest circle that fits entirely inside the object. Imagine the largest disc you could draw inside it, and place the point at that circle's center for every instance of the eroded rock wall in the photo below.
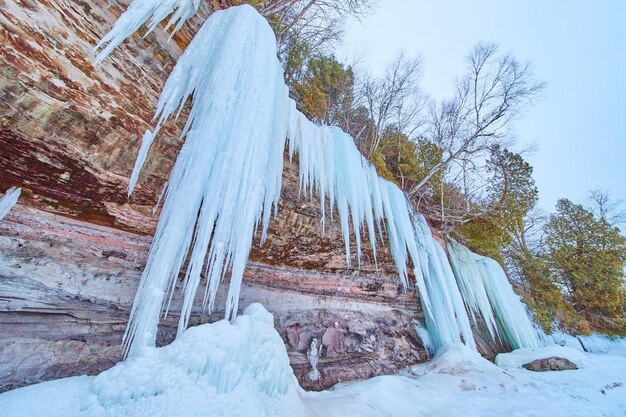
(72, 250)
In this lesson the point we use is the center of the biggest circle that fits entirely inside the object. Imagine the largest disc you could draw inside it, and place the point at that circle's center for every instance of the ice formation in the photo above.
(313, 355)
(447, 319)
(228, 173)
(424, 335)
(598, 343)
(470, 283)
(138, 13)
(330, 164)
(227, 178)
(479, 276)
(8, 200)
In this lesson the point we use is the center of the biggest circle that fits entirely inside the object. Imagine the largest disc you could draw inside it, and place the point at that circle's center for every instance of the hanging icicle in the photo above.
(8, 200)
(478, 276)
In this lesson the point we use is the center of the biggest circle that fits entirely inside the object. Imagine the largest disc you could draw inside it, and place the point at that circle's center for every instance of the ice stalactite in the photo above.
(228, 173)
(424, 336)
(447, 320)
(146, 11)
(467, 274)
(514, 325)
(8, 200)
(330, 164)
(313, 355)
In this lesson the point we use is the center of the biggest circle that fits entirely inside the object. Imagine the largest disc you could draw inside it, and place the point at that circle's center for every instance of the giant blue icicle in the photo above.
(228, 171)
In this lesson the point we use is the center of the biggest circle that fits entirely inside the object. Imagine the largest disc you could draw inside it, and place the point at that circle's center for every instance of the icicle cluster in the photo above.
(447, 318)
(228, 173)
(142, 11)
(478, 275)
(470, 282)
(8, 200)
(331, 164)
(227, 177)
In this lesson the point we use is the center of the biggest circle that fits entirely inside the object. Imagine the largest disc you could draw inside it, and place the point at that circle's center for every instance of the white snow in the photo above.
(221, 369)
(242, 369)
(519, 357)
(479, 276)
(8, 200)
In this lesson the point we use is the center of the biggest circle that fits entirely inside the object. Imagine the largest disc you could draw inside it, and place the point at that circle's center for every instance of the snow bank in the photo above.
(242, 369)
(220, 369)
(519, 357)
(8, 200)
(454, 360)
(597, 343)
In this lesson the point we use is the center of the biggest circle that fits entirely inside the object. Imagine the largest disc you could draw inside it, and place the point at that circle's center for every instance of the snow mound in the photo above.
(455, 359)
(519, 357)
(219, 369)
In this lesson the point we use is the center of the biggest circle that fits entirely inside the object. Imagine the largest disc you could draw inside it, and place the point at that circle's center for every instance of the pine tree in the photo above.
(588, 256)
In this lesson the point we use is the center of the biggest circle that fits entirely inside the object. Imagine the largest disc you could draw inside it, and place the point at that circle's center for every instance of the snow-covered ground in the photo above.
(242, 369)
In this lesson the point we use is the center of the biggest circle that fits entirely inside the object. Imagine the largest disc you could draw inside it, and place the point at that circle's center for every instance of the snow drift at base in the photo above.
(242, 369)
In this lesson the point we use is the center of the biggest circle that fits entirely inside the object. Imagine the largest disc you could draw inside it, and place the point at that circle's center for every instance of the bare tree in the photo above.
(494, 91)
(319, 23)
(603, 207)
(394, 99)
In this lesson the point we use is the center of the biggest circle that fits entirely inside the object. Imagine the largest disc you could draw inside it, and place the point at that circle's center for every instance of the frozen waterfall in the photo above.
(226, 181)
(487, 290)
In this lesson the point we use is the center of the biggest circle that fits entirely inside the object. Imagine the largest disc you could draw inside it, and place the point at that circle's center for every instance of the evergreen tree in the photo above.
(588, 256)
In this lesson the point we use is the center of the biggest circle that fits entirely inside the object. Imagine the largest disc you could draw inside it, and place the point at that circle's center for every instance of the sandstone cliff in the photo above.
(72, 250)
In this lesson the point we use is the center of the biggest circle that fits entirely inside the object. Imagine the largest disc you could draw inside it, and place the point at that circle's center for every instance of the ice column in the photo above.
(477, 274)
(227, 175)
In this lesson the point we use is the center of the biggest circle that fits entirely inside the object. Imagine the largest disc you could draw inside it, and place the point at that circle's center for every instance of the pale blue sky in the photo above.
(577, 47)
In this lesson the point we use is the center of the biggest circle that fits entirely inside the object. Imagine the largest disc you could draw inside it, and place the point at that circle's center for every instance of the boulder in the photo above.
(553, 363)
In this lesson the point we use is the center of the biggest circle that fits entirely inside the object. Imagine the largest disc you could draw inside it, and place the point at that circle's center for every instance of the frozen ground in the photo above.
(242, 369)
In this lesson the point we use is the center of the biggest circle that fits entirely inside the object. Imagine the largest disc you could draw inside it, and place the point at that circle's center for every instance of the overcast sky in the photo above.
(577, 47)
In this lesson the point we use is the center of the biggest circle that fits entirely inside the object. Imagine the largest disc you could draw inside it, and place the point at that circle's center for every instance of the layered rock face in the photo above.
(73, 249)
